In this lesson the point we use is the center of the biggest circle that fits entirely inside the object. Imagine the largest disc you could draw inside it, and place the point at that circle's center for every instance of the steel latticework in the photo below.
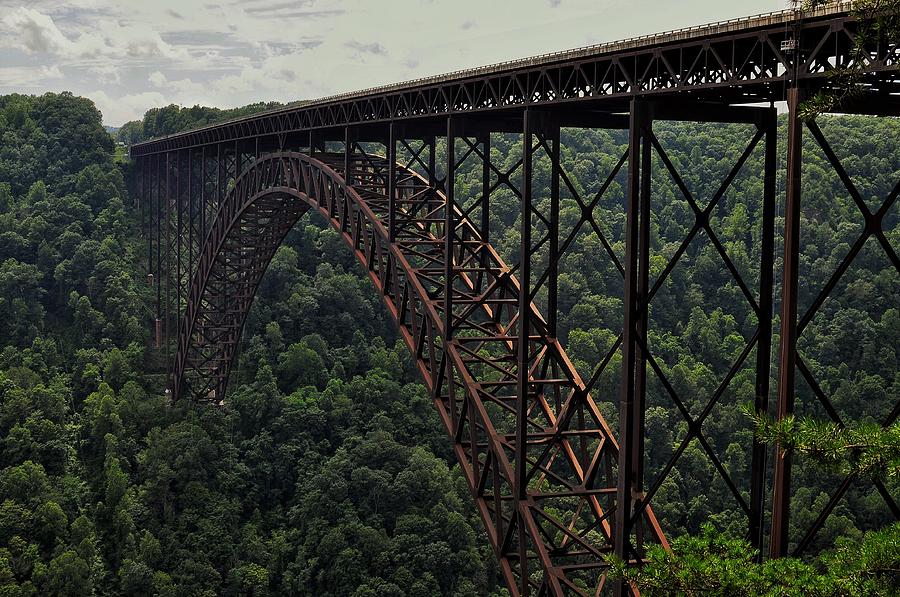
(557, 488)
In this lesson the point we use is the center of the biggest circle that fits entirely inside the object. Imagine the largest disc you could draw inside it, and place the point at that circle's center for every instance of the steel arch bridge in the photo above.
(556, 487)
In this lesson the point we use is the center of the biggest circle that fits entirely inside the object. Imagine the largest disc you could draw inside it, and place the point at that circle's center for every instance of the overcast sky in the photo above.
(129, 56)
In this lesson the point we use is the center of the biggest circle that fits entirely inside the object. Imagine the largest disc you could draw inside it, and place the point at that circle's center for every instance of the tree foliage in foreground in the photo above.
(864, 449)
(711, 564)
(879, 25)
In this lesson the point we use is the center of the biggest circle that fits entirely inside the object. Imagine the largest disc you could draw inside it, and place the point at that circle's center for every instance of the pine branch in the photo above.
(713, 564)
(863, 449)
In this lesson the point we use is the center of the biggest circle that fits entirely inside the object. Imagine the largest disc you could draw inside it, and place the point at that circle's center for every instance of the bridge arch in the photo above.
(544, 483)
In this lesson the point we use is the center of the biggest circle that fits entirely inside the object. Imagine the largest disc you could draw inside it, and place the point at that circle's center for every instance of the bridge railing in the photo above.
(685, 33)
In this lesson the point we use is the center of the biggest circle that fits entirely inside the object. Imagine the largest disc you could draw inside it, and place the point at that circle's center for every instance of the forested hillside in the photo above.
(327, 471)
(299, 485)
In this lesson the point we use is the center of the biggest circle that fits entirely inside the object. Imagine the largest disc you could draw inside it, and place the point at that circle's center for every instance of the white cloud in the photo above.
(50, 72)
(35, 32)
(140, 42)
(157, 79)
(118, 110)
(26, 77)
(107, 73)
(131, 55)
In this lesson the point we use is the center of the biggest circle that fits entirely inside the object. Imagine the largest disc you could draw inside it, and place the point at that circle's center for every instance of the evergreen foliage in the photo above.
(714, 565)
(879, 22)
(327, 471)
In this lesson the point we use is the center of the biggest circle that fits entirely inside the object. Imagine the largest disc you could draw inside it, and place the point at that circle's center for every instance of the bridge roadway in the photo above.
(737, 61)
(557, 490)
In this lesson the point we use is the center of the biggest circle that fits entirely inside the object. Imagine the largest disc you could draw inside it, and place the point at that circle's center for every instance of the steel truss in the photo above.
(555, 487)
(639, 293)
(464, 330)
(737, 64)
(526, 430)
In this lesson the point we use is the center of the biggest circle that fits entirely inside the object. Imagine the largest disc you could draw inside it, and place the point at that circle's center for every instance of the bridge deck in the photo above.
(736, 61)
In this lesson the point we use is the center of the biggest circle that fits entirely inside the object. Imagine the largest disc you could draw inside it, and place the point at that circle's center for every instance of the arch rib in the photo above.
(555, 539)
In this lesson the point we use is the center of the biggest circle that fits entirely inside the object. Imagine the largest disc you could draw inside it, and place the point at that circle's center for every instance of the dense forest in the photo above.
(299, 485)
(327, 471)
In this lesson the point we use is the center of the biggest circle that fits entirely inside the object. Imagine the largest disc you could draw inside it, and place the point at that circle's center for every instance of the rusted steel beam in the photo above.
(392, 182)
(758, 458)
(787, 369)
(522, 348)
(159, 220)
(168, 263)
(631, 401)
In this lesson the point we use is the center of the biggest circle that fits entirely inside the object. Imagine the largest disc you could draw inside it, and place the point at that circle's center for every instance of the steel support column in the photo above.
(485, 139)
(168, 265)
(449, 268)
(784, 407)
(348, 152)
(221, 175)
(179, 230)
(432, 161)
(392, 182)
(348, 174)
(160, 177)
(189, 265)
(634, 363)
(148, 194)
(203, 199)
(758, 469)
(524, 330)
(552, 134)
